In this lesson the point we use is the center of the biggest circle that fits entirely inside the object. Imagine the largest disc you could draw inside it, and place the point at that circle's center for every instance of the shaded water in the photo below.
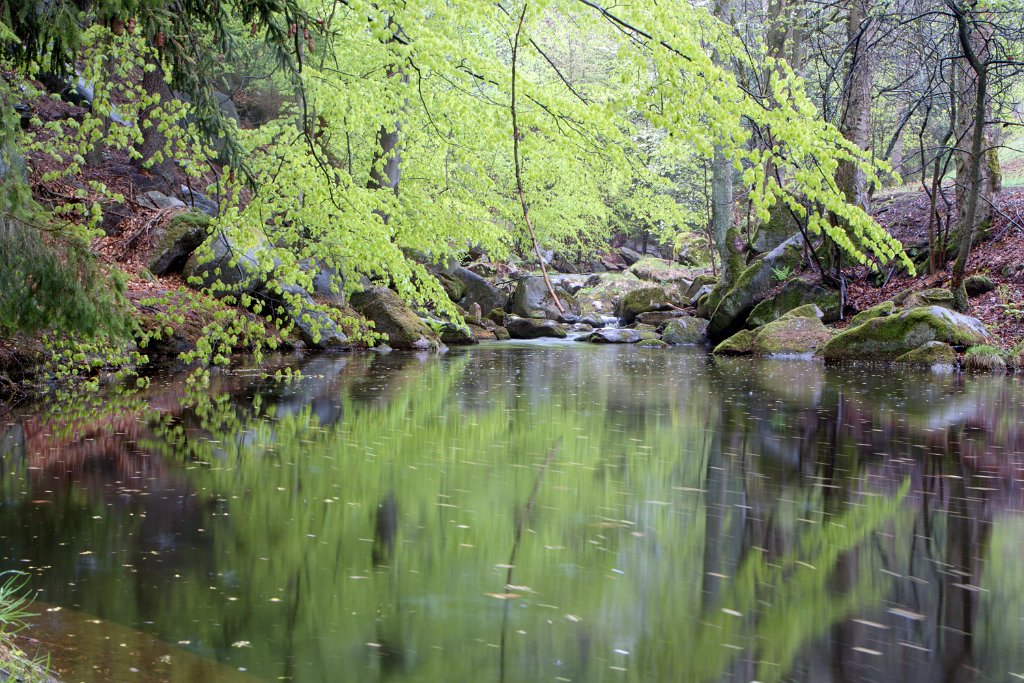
(548, 512)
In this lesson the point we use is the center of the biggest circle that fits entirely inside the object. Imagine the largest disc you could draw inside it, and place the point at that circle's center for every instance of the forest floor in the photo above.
(1001, 257)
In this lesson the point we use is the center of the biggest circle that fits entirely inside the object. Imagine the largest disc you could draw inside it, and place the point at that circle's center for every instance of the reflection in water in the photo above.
(533, 513)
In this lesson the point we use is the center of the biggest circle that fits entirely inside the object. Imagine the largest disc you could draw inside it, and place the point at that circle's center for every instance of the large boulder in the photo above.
(658, 318)
(532, 300)
(887, 338)
(228, 263)
(455, 334)
(533, 328)
(478, 291)
(791, 335)
(751, 286)
(796, 293)
(930, 355)
(640, 301)
(313, 324)
(926, 297)
(886, 308)
(686, 330)
(618, 335)
(177, 240)
(660, 271)
(394, 318)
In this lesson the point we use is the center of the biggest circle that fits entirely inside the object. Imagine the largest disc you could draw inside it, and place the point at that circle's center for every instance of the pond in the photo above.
(526, 512)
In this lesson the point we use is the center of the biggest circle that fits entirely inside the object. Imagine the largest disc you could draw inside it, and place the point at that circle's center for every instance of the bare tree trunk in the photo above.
(519, 171)
(968, 82)
(164, 173)
(856, 122)
(973, 188)
(723, 233)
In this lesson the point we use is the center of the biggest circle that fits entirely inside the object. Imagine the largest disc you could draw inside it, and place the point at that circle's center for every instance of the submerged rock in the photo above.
(888, 338)
(391, 316)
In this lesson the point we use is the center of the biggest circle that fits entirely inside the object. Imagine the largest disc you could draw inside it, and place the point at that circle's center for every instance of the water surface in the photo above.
(532, 512)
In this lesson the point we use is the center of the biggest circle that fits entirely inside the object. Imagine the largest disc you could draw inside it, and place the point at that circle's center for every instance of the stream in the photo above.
(520, 512)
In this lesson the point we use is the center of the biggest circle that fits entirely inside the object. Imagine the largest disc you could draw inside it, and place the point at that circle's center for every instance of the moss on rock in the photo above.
(686, 330)
(888, 338)
(391, 315)
(738, 344)
(796, 334)
(929, 355)
(881, 310)
(640, 301)
(795, 294)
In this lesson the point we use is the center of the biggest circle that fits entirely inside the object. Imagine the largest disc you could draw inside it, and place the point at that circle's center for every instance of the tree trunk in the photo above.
(723, 233)
(163, 174)
(975, 186)
(969, 118)
(856, 121)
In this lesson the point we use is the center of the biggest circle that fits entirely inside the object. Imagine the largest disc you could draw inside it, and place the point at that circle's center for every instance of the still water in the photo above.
(557, 512)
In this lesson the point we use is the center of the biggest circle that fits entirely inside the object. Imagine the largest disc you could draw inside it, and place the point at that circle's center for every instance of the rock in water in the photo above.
(791, 334)
(686, 330)
(751, 286)
(315, 326)
(796, 293)
(640, 301)
(533, 328)
(888, 338)
(394, 318)
(618, 335)
(532, 300)
(478, 291)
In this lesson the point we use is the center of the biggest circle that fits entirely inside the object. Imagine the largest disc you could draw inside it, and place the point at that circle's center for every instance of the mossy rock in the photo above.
(497, 316)
(805, 311)
(230, 262)
(394, 318)
(886, 308)
(453, 287)
(930, 355)
(738, 344)
(888, 338)
(698, 283)
(652, 344)
(177, 240)
(794, 294)
(534, 328)
(984, 358)
(926, 297)
(532, 300)
(976, 285)
(659, 318)
(501, 334)
(686, 330)
(660, 271)
(640, 301)
(751, 286)
(645, 327)
(791, 335)
(454, 334)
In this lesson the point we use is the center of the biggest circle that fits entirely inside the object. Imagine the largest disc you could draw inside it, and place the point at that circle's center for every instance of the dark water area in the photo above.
(544, 512)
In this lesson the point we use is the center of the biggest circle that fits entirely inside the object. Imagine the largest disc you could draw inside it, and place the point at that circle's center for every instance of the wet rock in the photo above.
(794, 294)
(176, 241)
(888, 338)
(594, 320)
(533, 328)
(751, 286)
(659, 318)
(532, 300)
(652, 344)
(501, 334)
(454, 334)
(929, 355)
(791, 335)
(738, 344)
(618, 335)
(686, 330)
(640, 301)
(391, 316)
